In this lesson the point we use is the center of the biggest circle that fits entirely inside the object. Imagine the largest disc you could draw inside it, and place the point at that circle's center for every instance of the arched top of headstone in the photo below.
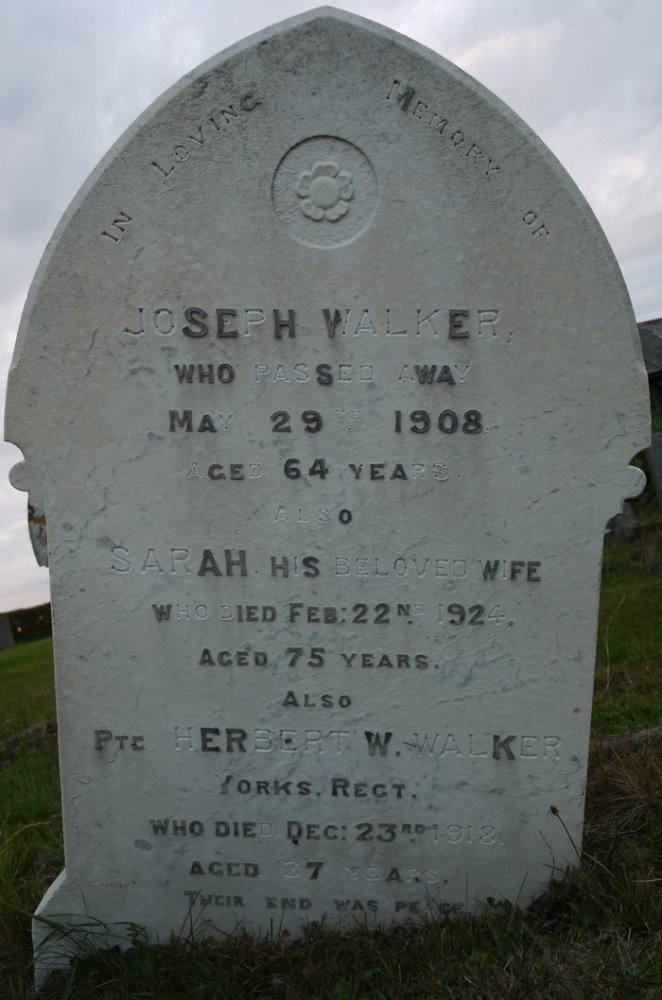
(330, 149)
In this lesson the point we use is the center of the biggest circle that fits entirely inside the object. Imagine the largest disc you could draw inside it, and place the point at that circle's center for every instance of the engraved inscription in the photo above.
(536, 226)
(327, 459)
(201, 133)
(232, 322)
(118, 227)
(407, 98)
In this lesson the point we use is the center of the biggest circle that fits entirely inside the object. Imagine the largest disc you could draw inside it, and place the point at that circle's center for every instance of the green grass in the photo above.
(628, 679)
(30, 850)
(595, 935)
(27, 694)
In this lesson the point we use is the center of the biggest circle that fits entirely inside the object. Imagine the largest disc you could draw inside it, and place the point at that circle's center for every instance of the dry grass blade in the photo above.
(607, 653)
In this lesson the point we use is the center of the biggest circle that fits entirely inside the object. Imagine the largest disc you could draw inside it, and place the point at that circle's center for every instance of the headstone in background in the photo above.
(654, 455)
(623, 527)
(28, 624)
(317, 389)
(6, 634)
(650, 332)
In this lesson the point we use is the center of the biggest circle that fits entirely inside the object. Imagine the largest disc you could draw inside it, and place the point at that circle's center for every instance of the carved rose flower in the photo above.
(326, 191)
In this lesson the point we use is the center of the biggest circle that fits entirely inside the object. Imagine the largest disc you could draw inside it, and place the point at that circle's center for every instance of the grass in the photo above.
(628, 679)
(595, 935)
(30, 852)
(27, 693)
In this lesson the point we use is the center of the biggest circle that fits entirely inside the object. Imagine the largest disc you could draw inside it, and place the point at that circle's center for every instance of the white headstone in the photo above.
(327, 386)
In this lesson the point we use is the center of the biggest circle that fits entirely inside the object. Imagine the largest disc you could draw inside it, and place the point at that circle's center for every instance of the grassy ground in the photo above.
(628, 680)
(596, 935)
(27, 694)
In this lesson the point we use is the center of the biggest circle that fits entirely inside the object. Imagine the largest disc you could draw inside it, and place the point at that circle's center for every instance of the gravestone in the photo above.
(6, 634)
(624, 527)
(654, 455)
(316, 391)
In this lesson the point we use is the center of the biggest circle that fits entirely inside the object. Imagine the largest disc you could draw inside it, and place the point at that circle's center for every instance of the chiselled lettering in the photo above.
(200, 133)
(405, 96)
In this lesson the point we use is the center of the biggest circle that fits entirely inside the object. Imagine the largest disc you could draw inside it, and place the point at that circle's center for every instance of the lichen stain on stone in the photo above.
(38, 534)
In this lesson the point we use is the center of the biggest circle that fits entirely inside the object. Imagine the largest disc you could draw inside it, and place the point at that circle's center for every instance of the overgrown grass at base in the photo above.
(30, 854)
(595, 935)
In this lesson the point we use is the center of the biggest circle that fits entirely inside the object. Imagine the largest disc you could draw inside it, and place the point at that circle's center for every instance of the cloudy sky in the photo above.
(585, 74)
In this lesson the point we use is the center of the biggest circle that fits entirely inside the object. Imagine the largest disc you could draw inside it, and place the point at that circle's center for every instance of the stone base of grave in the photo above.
(382, 894)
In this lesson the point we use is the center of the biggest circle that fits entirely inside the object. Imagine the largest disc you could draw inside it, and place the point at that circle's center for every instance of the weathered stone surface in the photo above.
(327, 387)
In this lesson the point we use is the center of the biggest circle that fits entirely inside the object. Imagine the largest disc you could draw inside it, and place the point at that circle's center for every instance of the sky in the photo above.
(586, 75)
